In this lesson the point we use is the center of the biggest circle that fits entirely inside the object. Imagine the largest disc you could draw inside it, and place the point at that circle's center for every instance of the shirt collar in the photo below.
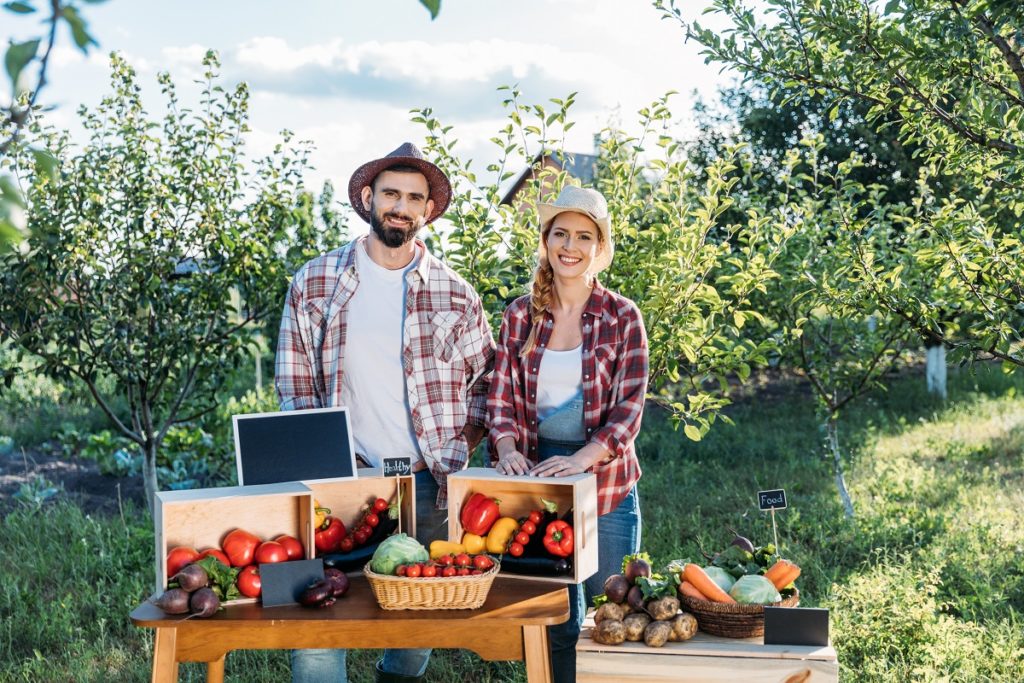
(422, 266)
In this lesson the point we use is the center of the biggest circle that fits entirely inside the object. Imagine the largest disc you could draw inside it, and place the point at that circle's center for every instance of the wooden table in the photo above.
(510, 626)
(704, 659)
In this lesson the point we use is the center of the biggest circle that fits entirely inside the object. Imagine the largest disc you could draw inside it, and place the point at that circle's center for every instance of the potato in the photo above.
(609, 611)
(684, 627)
(663, 609)
(657, 632)
(609, 632)
(635, 624)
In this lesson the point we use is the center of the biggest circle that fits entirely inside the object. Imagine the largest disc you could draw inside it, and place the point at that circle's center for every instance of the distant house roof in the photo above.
(582, 167)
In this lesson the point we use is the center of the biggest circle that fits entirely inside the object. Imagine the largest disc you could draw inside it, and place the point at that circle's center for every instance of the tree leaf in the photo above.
(17, 57)
(434, 6)
(19, 7)
(692, 432)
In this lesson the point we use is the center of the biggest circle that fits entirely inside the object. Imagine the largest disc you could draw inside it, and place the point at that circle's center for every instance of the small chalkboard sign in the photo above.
(281, 583)
(771, 500)
(294, 445)
(795, 626)
(396, 467)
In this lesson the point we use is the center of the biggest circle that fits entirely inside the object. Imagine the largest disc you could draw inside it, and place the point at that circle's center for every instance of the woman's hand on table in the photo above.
(567, 465)
(510, 461)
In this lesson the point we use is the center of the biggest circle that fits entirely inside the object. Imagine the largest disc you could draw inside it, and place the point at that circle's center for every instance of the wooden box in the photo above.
(346, 498)
(703, 659)
(519, 495)
(200, 518)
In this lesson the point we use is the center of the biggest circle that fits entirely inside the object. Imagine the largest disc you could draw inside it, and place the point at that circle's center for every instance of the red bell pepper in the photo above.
(558, 539)
(479, 513)
(328, 537)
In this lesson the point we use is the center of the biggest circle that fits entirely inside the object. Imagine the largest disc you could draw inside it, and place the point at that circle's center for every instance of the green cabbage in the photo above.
(721, 577)
(395, 550)
(754, 589)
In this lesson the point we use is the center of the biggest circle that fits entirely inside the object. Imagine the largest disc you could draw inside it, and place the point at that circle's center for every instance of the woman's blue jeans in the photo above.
(618, 534)
(328, 666)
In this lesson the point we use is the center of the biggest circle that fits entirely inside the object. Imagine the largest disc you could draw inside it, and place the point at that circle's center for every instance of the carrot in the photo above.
(686, 588)
(703, 583)
(782, 573)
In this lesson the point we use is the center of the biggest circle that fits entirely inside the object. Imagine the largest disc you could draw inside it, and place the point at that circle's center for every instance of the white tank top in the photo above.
(559, 380)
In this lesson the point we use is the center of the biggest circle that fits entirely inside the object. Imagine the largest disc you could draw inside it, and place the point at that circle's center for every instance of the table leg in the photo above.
(536, 653)
(215, 671)
(165, 656)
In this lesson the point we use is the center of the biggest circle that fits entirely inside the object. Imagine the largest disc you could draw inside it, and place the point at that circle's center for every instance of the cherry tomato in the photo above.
(516, 549)
(446, 560)
(522, 538)
(347, 544)
(401, 570)
(361, 537)
(414, 571)
(249, 583)
(292, 546)
(366, 529)
(536, 516)
(178, 558)
(483, 562)
(429, 571)
(371, 519)
(448, 571)
(462, 571)
(380, 505)
(462, 560)
(528, 527)
(270, 552)
(475, 571)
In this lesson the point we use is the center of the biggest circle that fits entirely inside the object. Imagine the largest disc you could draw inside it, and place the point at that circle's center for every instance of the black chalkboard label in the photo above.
(771, 500)
(281, 583)
(795, 626)
(294, 445)
(396, 467)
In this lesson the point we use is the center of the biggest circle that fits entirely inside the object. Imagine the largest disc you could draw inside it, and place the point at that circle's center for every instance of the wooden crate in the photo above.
(200, 518)
(346, 498)
(519, 495)
(704, 659)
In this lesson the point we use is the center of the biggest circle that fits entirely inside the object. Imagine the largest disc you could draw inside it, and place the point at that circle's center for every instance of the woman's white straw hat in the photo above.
(591, 204)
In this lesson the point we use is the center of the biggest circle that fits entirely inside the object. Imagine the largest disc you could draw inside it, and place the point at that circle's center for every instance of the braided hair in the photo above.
(540, 299)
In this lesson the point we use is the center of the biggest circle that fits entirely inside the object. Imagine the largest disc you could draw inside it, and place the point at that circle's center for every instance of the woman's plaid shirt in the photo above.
(614, 385)
(447, 351)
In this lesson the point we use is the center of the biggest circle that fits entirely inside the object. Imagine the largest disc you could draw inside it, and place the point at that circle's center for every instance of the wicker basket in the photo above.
(730, 620)
(442, 592)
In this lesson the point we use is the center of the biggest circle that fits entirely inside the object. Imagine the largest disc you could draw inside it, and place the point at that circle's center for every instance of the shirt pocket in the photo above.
(448, 325)
(605, 356)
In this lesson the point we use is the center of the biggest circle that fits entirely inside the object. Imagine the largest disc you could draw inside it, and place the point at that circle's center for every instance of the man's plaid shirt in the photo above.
(614, 385)
(447, 351)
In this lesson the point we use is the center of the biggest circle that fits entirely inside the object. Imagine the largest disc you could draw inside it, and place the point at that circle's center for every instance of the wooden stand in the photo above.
(510, 626)
(704, 659)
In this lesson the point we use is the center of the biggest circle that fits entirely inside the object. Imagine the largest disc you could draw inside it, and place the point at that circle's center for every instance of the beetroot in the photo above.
(636, 568)
(192, 577)
(204, 603)
(338, 581)
(635, 599)
(615, 587)
(173, 601)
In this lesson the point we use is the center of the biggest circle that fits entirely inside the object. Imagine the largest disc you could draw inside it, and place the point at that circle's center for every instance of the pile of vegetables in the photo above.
(639, 604)
(397, 550)
(377, 520)
(198, 588)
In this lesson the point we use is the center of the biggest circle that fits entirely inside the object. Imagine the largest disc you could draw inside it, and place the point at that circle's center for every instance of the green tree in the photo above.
(153, 251)
(948, 75)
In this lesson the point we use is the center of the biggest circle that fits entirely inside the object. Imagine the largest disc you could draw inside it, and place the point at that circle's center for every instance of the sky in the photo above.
(345, 74)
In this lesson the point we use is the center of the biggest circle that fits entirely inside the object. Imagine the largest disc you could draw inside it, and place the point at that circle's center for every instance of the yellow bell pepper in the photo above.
(442, 548)
(500, 534)
(320, 514)
(474, 544)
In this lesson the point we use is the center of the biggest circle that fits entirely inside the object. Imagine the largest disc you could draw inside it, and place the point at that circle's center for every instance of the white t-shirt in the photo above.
(373, 384)
(559, 379)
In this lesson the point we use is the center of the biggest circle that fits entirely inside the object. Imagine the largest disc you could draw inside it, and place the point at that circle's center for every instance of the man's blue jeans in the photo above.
(328, 666)
(618, 534)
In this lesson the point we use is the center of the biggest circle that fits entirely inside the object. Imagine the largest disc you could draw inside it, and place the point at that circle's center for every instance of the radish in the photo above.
(204, 603)
(192, 577)
(173, 601)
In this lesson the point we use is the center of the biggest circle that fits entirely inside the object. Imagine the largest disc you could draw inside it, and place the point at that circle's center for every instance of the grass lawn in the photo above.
(926, 583)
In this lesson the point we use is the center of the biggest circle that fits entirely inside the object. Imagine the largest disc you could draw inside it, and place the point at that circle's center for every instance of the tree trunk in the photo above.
(149, 472)
(832, 438)
(936, 371)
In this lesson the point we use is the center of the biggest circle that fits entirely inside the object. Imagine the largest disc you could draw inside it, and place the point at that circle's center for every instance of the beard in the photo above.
(392, 237)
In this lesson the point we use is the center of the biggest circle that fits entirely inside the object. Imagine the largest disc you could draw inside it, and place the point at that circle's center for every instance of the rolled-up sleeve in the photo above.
(501, 401)
(293, 376)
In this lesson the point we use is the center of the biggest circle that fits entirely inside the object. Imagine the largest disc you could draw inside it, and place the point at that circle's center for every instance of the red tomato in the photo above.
(380, 505)
(463, 571)
(240, 547)
(270, 552)
(430, 571)
(448, 571)
(361, 536)
(216, 553)
(292, 546)
(528, 527)
(516, 549)
(249, 583)
(483, 562)
(462, 560)
(366, 529)
(179, 557)
(446, 560)
(347, 544)
(536, 516)
(401, 570)
(475, 571)
(522, 538)
(414, 571)
(371, 519)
